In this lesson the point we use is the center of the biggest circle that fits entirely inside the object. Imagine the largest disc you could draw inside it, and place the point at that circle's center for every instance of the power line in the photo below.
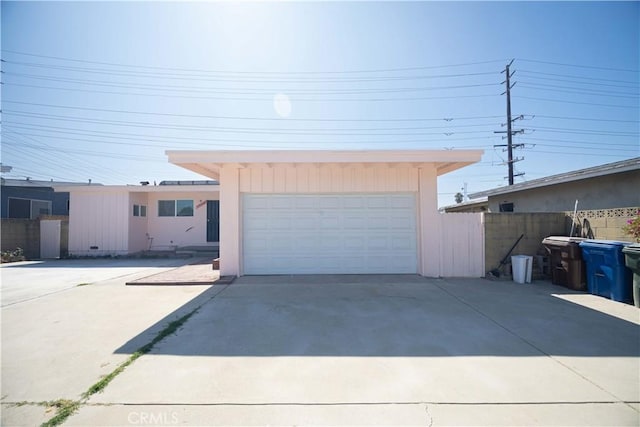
(44, 162)
(55, 155)
(248, 129)
(580, 92)
(250, 72)
(228, 91)
(190, 128)
(580, 66)
(173, 76)
(590, 119)
(200, 116)
(173, 142)
(164, 95)
(573, 153)
(579, 144)
(601, 148)
(580, 103)
(244, 91)
(573, 76)
(588, 131)
(592, 83)
(582, 89)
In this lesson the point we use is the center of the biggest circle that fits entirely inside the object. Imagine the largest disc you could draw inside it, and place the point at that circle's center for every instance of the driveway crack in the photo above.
(66, 408)
(429, 416)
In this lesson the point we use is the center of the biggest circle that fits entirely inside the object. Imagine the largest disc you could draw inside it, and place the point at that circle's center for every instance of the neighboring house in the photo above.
(29, 199)
(613, 185)
(479, 205)
(326, 211)
(121, 220)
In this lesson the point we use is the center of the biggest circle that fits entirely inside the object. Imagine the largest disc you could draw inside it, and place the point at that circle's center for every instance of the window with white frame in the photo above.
(139, 210)
(175, 207)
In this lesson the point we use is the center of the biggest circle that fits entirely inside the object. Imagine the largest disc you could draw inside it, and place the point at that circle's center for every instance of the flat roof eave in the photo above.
(209, 162)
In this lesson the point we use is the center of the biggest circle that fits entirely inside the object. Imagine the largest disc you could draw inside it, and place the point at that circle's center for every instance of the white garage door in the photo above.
(321, 233)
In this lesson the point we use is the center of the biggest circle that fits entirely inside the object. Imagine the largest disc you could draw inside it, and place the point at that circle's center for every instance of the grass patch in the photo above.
(65, 408)
(171, 328)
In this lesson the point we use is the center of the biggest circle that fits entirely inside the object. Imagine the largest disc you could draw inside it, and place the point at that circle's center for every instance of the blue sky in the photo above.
(101, 90)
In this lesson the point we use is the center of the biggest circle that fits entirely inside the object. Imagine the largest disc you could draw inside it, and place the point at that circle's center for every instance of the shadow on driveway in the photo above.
(392, 316)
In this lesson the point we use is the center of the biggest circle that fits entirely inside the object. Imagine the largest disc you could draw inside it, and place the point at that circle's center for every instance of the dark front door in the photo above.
(213, 220)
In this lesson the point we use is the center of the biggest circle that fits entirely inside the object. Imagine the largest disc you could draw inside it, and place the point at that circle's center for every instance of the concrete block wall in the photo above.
(602, 224)
(503, 229)
(21, 233)
(25, 234)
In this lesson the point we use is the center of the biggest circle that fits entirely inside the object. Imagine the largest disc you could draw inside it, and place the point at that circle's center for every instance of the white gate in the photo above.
(50, 238)
(462, 245)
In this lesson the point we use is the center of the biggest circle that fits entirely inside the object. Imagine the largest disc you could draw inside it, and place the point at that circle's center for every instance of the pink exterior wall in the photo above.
(102, 217)
(169, 232)
(330, 178)
(138, 224)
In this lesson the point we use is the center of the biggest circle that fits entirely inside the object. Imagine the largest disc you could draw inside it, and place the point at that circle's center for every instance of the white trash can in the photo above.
(522, 266)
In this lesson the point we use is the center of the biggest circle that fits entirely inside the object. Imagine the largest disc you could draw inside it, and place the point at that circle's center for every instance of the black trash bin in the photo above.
(566, 264)
(632, 261)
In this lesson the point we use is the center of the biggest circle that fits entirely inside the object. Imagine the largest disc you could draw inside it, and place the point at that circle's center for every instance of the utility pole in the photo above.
(510, 146)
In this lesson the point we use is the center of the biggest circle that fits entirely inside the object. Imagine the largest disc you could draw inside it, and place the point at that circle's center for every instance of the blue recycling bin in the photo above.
(607, 275)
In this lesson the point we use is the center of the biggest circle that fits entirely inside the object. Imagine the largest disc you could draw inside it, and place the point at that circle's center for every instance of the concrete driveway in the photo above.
(22, 281)
(327, 350)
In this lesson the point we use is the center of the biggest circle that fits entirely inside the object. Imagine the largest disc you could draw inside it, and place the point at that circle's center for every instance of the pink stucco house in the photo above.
(283, 212)
(126, 219)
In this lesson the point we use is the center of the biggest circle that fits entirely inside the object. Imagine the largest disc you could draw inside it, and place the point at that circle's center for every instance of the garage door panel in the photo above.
(329, 222)
(401, 220)
(281, 202)
(330, 244)
(258, 224)
(319, 233)
(380, 243)
(400, 203)
(330, 202)
(354, 203)
(281, 223)
(353, 222)
(377, 201)
(375, 222)
(306, 203)
(281, 245)
(258, 202)
(401, 243)
(303, 223)
(355, 243)
(257, 244)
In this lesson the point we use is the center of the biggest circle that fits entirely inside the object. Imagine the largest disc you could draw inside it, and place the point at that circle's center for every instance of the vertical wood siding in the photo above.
(328, 179)
(99, 220)
(462, 245)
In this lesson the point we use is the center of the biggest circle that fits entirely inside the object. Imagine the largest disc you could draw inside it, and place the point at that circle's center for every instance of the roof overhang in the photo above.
(209, 163)
(594, 172)
(136, 188)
